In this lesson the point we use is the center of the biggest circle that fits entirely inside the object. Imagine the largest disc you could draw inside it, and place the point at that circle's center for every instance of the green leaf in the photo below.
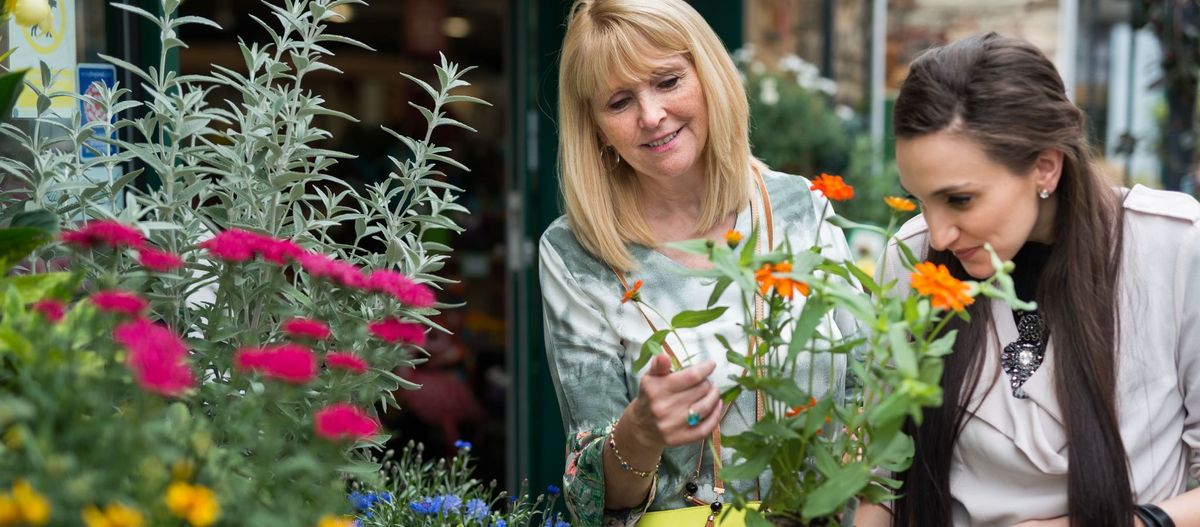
(691, 319)
(910, 259)
(752, 468)
(17, 243)
(700, 246)
(37, 219)
(902, 350)
(652, 347)
(719, 289)
(848, 224)
(756, 519)
(11, 84)
(34, 287)
(12, 341)
(865, 279)
(810, 318)
(833, 494)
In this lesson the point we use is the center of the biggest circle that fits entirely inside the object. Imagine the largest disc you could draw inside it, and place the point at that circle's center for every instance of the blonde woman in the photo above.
(653, 149)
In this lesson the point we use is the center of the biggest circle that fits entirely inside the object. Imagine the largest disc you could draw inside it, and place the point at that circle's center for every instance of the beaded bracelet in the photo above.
(612, 443)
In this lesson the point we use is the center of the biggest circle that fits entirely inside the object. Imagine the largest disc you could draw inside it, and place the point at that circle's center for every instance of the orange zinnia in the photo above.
(945, 291)
(900, 204)
(797, 410)
(632, 293)
(766, 278)
(732, 238)
(833, 187)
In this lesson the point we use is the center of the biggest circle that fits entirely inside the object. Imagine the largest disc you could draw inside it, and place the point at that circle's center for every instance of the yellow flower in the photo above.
(335, 521)
(732, 238)
(115, 515)
(29, 13)
(9, 513)
(195, 503)
(899, 204)
(34, 509)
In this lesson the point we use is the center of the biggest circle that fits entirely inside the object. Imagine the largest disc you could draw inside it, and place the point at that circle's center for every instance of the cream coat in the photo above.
(1010, 464)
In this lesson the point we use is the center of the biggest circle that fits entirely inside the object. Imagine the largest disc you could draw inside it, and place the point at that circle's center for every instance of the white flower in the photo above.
(829, 86)
(744, 54)
(844, 112)
(769, 92)
(757, 68)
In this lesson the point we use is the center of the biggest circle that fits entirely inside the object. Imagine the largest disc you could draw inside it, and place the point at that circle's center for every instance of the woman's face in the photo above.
(658, 125)
(968, 199)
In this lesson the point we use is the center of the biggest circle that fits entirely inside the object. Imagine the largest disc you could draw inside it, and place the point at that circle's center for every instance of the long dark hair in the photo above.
(1006, 95)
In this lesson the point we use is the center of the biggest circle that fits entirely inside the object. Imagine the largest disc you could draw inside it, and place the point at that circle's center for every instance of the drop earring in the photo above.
(1043, 193)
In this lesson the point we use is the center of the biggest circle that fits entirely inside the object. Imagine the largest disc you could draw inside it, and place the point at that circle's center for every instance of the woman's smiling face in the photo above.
(967, 199)
(658, 125)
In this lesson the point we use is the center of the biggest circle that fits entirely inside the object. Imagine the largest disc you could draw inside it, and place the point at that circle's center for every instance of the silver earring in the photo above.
(1043, 193)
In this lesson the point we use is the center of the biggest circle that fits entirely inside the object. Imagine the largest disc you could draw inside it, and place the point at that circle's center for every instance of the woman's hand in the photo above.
(659, 413)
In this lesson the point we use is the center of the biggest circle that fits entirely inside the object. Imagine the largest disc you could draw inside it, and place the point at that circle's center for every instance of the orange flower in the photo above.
(632, 293)
(766, 278)
(945, 291)
(732, 238)
(833, 187)
(797, 410)
(900, 204)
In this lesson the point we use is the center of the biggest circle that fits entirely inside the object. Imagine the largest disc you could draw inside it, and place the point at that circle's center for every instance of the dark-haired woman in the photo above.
(1086, 411)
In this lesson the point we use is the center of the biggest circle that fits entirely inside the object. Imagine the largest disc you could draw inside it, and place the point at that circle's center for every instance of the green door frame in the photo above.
(535, 437)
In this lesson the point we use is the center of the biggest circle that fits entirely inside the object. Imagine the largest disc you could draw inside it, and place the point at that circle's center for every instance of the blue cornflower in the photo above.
(426, 506)
(384, 496)
(462, 445)
(477, 510)
(553, 521)
(553, 490)
(500, 523)
(361, 501)
(450, 503)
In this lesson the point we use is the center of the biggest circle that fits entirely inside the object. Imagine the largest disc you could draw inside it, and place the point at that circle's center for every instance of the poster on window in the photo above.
(51, 42)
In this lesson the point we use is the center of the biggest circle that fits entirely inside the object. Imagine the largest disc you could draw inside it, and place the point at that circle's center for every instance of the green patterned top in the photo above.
(592, 340)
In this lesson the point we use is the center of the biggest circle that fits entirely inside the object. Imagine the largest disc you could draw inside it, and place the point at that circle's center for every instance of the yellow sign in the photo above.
(56, 48)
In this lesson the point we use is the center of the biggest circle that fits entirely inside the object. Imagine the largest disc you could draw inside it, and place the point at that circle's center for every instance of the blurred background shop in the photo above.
(821, 75)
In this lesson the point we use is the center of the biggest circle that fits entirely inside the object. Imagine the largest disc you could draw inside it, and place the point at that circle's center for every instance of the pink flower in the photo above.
(278, 251)
(342, 421)
(157, 357)
(233, 245)
(119, 301)
(392, 330)
(104, 232)
(346, 361)
(156, 260)
(50, 309)
(290, 362)
(320, 266)
(400, 287)
(306, 327)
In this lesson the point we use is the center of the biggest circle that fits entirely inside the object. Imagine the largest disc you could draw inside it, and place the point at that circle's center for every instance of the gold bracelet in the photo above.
(612, 443)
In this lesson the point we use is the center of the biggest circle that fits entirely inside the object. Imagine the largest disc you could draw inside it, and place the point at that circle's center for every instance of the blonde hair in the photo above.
(619, 38)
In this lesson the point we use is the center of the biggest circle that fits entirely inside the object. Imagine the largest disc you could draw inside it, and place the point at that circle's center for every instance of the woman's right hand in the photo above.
(664, 399)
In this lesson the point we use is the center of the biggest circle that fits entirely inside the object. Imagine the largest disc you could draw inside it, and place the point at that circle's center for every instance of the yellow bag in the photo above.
(695, 517)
